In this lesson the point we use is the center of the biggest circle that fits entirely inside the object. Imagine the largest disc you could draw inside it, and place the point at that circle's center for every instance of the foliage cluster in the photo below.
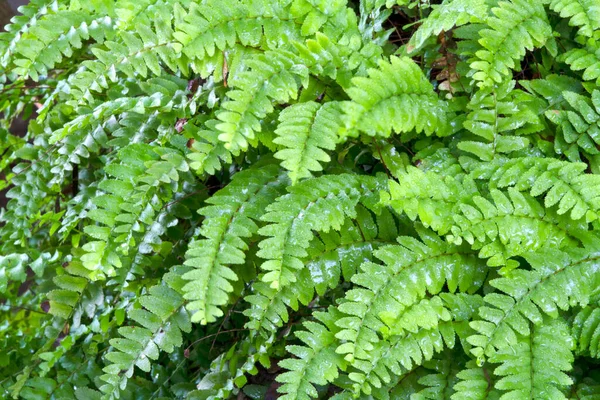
(375, 199)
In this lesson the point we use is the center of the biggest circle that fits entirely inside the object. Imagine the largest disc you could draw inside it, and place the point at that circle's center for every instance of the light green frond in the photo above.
(447, 15)
(585, 332)
(562, 184)
(317, 363)
(499, 120)
(497, 228)
(330, 256)
(161, 322)
(56, 37)
(228, 223)
(584, 59)
(534, 366)
(305, 131)
(516, 26)
(396, 97)
(392, 359)
(475, 383)
(273, 78)
(579, 127)
(430, 197)
(582, 13)
(319, 205)
(556, 281)
(410, 270)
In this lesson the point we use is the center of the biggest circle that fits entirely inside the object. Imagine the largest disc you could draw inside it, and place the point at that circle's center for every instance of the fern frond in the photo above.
(406, 266)
(161, 321)
(330, 256)
(584, 59)
(516, 26)
(584, 330)
(499, 119)
(582, 13)
(227, 225)
(534, 366)
(214, 25)
(430, 197)
(317, 362)
(396, 97)
(496, 229)
(580, 127)
(475, 383)
(563, 184)
(21, 24)
(393, 358)
(306, 130)
(71, 287)
(55, 37)
(132, 53)
(447, 15)
(439, 383)
(317, 204)
(556, 281)
(274, 78)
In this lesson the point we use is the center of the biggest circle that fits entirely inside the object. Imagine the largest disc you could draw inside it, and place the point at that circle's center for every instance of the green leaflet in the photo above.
(516, 26)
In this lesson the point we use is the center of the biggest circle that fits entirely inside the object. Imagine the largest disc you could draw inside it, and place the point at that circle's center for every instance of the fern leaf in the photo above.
(475, 383)
(393, 358)
(306, 130)
(274, 78)
(496, 229)
(161, 322)
(579, 127)
(584, 59)
(214, 25)
(228, 223)
(582, 13)
(317, 362)
(564, 184)
(534, 366)
(429, 197)
(447, 15)
(55, 37)
(516, 26)
(556, 281)
(498, 124)
(584, 329)
(369, 309)
(318, 204)
(396, 97)
(330, 256)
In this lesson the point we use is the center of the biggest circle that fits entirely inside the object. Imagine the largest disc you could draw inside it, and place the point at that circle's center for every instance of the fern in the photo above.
(378, 199)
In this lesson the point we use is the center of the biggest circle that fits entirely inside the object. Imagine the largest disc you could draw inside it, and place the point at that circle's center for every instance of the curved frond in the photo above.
(318, 204)
(306, 130)
(556, 281)
(582, 13)
(516, 26)
(534, 367)
(396, 97)
(227, 225)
